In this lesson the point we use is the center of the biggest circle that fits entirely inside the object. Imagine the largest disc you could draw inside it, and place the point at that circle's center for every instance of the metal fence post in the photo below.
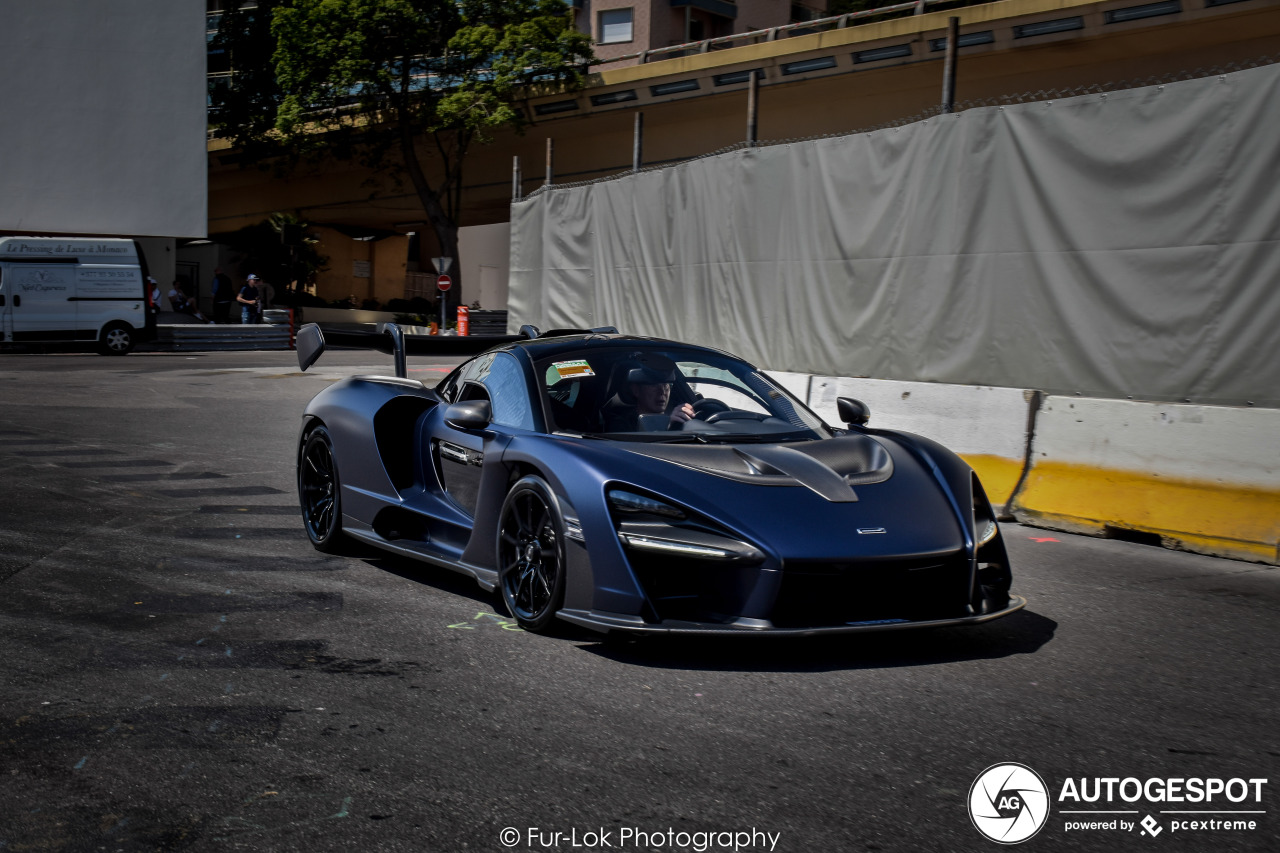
(752, 107)
(550, 155)
(517, 188)
(949, 66)
(637, 144)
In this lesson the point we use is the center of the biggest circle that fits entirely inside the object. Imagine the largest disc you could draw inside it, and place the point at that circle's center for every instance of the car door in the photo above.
(459, 454)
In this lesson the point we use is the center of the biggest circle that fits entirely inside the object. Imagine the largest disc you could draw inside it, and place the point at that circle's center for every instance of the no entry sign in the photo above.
(444, 283)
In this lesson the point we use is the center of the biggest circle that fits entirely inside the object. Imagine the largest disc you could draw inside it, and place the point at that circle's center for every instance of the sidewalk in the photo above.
(180, 332)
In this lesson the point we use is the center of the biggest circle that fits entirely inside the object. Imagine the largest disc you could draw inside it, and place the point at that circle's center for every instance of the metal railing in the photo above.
(769, 34)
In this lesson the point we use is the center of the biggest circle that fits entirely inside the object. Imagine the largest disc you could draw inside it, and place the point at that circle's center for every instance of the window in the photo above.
(596, 391)
(473, 371)
(965, 40)
(508, 392)
(673, 88)
(808, 65)
(876, 54)
(1044, 28)
(615, 26)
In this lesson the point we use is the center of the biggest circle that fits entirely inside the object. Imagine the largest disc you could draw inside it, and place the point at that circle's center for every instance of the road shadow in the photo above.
(1021, 633)
(426, 574)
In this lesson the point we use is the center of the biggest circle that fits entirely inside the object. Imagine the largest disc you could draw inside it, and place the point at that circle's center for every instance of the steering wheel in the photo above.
(736, 415)
(707, 408)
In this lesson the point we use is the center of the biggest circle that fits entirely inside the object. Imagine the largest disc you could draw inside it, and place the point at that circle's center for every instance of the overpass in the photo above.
(837, 81)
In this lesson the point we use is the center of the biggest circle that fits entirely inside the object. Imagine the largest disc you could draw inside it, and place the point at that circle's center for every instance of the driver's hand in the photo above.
(681, 414)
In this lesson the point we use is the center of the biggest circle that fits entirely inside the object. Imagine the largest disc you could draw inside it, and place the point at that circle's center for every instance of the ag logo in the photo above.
(1009, 803)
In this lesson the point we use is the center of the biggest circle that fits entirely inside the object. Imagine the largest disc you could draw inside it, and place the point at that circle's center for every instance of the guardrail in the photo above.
(205, 338)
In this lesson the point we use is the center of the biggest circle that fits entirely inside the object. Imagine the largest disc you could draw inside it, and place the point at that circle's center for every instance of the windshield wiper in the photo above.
(680, 438)
(752, 438)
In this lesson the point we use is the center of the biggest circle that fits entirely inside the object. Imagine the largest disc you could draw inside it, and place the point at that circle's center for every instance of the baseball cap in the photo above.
(252, 277)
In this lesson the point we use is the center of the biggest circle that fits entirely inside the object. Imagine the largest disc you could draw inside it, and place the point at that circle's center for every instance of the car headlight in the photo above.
(655, 526)
(676, 548)
(630, 502)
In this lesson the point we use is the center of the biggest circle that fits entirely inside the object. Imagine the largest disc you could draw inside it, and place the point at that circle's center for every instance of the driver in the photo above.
(650, 386)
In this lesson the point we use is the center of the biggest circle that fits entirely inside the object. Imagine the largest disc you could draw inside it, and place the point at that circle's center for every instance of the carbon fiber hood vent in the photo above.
(830, 468)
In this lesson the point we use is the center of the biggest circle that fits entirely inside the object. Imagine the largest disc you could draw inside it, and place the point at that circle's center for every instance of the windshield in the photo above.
(668, 393)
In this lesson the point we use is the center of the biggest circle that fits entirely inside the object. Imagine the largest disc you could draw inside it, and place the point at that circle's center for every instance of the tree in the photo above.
(280, 250)
(401, 85)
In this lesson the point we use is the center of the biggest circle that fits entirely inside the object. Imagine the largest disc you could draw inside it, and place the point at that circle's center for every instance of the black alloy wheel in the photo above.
(117, 338)
(531, 559)
(318, 491)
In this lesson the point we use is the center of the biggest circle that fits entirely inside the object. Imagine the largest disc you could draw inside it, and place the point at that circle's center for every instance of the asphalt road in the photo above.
(181, 671)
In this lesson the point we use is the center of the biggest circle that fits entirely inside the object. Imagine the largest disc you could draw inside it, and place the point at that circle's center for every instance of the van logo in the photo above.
(866, 530)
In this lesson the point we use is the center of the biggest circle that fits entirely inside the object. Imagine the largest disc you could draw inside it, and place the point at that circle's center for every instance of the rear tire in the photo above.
(319, 491)
(117, 338)
(531, 556)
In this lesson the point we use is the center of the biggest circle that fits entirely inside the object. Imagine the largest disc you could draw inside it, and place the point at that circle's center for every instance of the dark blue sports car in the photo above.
(634, 484)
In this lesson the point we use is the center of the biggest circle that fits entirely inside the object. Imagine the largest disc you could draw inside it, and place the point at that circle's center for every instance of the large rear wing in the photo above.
(311, 343)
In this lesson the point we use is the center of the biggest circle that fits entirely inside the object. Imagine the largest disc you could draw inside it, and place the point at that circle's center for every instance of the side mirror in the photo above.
(309, 343)
(473, 414)
(853, 411)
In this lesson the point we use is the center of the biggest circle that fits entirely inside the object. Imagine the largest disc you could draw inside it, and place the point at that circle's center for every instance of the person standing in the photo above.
(222, 296)
(249, 298)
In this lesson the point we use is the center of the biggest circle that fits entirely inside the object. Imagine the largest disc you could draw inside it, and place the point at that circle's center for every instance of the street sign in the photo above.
(442, 264)
(443, 283)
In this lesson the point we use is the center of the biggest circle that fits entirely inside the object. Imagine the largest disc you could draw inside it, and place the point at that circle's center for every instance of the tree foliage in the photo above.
(280, 250)
(401, 85)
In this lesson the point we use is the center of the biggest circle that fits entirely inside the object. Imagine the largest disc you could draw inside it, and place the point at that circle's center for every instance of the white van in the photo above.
(81, 289)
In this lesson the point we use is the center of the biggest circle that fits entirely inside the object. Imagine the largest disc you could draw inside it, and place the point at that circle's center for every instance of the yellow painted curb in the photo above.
(999, 476)
(1206, 517)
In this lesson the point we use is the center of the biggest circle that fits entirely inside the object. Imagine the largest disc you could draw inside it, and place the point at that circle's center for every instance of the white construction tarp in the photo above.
(1114, 245)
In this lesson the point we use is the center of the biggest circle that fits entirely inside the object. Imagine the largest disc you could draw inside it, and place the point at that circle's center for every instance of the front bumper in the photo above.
(605, 622)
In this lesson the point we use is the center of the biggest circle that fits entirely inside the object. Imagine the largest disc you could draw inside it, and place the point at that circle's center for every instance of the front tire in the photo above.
(531, 557)
(319, 491)
(118, 338)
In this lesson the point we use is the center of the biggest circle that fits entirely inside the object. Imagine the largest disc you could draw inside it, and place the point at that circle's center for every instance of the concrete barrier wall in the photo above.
(1201, 478)
(986, 426)
(1198, 478)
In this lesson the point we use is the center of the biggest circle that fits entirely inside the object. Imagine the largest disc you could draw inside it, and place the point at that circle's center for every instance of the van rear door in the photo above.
(40, 303)
(6, 331)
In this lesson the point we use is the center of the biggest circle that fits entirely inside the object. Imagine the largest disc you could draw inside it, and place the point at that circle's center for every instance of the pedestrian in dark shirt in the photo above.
(249, 299)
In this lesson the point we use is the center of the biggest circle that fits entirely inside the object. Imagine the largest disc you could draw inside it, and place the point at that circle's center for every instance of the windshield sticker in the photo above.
(569, 369)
